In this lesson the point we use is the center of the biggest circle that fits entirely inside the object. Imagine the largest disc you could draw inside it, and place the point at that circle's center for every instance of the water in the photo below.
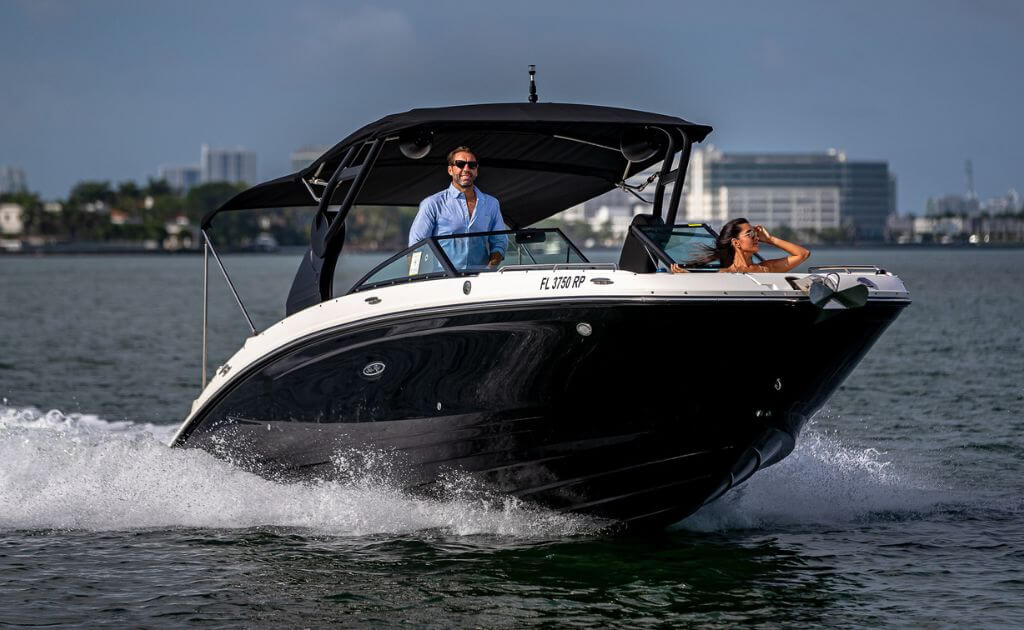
(902, 505)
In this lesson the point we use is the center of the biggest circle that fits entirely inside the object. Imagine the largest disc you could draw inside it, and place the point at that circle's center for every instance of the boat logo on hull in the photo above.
(373, 369)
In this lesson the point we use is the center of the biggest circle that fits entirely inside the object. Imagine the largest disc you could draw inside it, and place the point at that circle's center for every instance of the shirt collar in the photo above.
(458, 194)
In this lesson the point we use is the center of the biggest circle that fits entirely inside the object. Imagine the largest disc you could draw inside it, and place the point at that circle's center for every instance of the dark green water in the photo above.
(902, 505)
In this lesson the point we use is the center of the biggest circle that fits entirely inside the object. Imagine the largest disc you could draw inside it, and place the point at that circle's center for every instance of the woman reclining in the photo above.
(735, 248)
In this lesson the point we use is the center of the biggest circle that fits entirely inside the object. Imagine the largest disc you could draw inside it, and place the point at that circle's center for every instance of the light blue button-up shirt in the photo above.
(446, 213)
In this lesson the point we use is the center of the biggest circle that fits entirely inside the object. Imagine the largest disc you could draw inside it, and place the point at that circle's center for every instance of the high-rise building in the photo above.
(228, 165)
(12, 180)
(180, 178)
(803, 191)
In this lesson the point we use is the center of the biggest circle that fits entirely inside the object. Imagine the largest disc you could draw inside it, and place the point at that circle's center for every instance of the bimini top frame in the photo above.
(537, 159)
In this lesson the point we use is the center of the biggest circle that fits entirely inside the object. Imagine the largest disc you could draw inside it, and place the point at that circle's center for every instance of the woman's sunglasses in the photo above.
(461, 164)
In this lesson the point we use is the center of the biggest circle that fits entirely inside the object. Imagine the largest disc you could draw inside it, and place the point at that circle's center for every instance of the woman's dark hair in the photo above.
(722, 251)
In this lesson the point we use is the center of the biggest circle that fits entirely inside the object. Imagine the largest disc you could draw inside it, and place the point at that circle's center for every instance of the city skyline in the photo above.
(110, 91)
(185, 176)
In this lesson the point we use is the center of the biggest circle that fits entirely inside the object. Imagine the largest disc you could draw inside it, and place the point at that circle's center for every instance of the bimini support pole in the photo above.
(206, 297)
(666, 166)
(680, 179)
(230, 285)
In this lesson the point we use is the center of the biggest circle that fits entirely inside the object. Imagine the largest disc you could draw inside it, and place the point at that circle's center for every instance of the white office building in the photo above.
(180, 178)
(799, 208)
(228, 165)
(804, 191)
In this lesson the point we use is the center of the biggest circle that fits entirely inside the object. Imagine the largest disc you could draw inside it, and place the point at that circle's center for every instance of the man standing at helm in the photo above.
(460, 209)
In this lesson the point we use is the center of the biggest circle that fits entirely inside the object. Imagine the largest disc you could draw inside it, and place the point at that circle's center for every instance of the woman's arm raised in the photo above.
(797, 254)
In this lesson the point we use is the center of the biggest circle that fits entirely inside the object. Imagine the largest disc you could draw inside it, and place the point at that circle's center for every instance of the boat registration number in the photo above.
(562, 282)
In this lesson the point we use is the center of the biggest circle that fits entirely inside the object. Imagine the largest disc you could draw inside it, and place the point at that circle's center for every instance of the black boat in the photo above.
(605, 389)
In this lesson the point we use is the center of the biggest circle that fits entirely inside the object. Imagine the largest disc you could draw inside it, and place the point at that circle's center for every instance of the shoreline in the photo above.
(93, 250)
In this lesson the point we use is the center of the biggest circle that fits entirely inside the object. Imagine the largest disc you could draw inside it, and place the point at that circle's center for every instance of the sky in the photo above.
(110, 90)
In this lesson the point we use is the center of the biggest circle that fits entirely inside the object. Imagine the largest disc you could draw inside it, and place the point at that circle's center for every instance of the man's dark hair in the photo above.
(451, 156)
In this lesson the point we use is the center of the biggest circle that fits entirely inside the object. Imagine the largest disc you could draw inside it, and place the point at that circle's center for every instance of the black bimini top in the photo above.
(536, 158)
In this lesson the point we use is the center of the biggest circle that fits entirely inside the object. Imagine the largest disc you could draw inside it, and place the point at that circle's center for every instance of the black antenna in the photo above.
(533, 84)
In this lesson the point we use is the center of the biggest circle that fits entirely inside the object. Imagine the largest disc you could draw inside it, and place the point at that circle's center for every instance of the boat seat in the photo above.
(634, 256)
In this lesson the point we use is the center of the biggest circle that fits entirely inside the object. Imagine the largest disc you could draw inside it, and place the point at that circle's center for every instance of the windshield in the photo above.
(470, 253)
(681, 244)
(463, 254)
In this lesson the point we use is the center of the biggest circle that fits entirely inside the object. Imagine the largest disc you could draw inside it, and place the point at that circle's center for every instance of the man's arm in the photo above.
(498, 242)
(425, 223)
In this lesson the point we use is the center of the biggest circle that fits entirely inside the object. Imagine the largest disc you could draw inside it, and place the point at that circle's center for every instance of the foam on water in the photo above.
(821, 483)
(77, 471)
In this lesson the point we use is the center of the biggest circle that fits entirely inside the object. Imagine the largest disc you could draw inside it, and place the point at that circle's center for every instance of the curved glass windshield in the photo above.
(464, 254)
(681, 244)
(410, 265)
(471, 253)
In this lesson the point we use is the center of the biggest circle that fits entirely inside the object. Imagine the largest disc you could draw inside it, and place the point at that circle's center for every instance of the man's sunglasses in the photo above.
(461, 164)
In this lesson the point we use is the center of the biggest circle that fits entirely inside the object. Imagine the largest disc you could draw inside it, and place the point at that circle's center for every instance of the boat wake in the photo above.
(78, 471)
(822, 482)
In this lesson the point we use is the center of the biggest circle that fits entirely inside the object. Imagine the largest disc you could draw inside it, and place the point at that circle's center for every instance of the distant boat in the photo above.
(605, 389)
(10, 245)
(264, 243)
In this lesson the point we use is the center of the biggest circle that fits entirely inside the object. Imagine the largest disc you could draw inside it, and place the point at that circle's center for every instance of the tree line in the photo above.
(99, 211)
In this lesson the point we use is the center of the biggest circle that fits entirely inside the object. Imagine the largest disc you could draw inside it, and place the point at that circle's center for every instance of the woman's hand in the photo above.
(795, 253)
(678, 269)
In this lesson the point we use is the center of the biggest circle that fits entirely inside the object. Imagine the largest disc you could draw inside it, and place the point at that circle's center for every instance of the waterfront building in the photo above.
(1001, 229)
(180, 178)
(899, 228)
(228, 165)
(181, 234)
(12, 180)
(1007, 204)
(977, 230)
(948, 205)
(941, 229)
(12, 221)
(120, 217)
(803, 191)
(969, 205)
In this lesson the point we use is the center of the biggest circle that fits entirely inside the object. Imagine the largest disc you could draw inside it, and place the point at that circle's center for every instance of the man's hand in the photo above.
(495, 259)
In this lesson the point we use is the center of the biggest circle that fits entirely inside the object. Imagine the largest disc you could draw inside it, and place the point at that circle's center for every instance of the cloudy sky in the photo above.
(95, 89)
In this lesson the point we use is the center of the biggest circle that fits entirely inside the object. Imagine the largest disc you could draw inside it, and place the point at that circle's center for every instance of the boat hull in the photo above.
(580, 405)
